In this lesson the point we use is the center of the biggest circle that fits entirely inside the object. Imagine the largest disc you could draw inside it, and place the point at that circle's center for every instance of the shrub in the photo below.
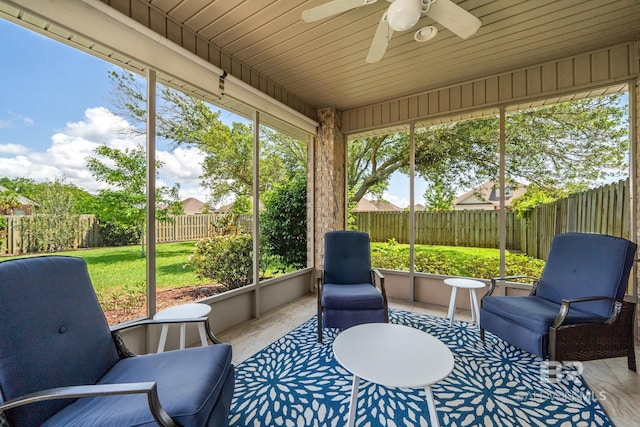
(3, 230)
(227, 259)
(114, 234)
(283, 223)
(452, 262)
(225, 225)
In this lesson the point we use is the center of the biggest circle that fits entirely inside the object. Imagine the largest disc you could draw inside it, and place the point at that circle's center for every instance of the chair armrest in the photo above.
(146, 322)
(75, 392)
(319, 282)
(376, 273)
(492, 285)
(565, 306)
(319, 278)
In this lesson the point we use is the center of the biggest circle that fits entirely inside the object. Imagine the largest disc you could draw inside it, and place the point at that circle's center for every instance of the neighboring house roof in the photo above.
(366, 205)
(192, 206)
(23, 200)
(487, 196)
(225, 208)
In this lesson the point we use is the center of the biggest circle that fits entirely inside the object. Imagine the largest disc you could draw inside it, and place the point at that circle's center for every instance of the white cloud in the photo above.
(12, 149)
(66, 157)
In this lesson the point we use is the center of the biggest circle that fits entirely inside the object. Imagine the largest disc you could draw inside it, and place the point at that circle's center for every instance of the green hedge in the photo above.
(466, 262)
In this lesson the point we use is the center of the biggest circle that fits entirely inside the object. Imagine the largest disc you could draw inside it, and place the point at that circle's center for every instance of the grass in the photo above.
(123, 266)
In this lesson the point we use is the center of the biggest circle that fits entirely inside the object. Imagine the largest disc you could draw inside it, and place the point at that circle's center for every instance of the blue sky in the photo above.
(35, 83)
(55, 109)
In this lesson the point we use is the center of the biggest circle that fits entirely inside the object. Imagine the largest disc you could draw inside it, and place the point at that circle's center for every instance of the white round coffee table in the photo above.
(184, 311)
(470, 284)
(393, 356)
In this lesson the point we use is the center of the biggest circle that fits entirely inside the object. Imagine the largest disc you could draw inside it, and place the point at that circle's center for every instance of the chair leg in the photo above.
(631, 360)
(319, 322)
(482, 334)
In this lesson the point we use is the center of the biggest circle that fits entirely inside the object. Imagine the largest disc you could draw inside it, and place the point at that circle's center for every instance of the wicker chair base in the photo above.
(590, 341)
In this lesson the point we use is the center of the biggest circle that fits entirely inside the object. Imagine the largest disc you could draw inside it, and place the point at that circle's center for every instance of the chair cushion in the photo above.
(347, 257)
(53, 332)
(584, 264)
(533, 312)
(361, 296)
(343, 319)
(189, 384)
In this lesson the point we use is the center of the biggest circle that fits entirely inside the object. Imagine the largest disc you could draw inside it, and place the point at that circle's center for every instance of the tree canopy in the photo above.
(123, 205)
(573, 144)
(568, 145)
(227, 148)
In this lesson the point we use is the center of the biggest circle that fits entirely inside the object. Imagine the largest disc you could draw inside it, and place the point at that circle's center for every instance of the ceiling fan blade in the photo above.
(454, 18)
(332, 8)
(380, 41)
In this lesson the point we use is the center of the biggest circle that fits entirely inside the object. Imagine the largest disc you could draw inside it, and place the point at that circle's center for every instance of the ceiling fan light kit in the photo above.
(402, 15)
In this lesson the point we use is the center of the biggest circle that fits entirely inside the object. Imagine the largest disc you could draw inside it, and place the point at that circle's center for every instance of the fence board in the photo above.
(604, 210)
(17, 239)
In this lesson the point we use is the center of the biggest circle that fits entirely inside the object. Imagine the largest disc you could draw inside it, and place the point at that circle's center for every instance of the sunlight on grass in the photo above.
(116, 267)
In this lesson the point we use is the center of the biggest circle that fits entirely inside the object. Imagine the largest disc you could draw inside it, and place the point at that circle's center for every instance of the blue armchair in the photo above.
(61, 365)
(347, 292)
(576, 309)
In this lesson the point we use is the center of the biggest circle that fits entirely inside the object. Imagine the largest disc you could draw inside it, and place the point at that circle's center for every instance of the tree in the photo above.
(228, 149)
(82, 201)
(8, 201)
(536, 195)
(284, 220)
(574, 143)
(124, 204)
(571, 144)
(56, 226)
(438, 197)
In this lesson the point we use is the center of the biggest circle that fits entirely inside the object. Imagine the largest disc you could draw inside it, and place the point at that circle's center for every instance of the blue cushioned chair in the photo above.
(347, 292)
(576, 309)
(61, 365)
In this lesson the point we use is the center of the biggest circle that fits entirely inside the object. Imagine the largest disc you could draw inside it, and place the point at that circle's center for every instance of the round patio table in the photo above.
(184, 311)
(393, 356)
(470, 284)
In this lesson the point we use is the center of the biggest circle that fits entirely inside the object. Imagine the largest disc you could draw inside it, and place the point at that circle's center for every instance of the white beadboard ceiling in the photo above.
(314, 65)
(324, 62)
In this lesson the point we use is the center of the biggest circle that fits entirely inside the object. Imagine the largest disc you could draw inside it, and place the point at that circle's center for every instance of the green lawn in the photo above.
(119, 267)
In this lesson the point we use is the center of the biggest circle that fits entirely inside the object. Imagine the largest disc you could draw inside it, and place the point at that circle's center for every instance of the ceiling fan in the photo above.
(402, 15)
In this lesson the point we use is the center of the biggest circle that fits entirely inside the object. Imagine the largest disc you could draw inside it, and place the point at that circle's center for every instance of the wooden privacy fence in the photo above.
(18, 237)
(472, 228)
(604, 210)
(19, 240)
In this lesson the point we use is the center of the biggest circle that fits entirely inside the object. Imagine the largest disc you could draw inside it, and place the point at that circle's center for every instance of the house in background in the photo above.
(192, 206)
(366, 205)
(487, 197)
(25, 206)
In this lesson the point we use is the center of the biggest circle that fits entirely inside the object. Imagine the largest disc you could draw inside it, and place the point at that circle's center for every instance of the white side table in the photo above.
(394, 356)
(184, 311)
(472, 285)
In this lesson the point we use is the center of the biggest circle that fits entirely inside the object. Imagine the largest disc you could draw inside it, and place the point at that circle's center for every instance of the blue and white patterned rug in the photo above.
(296, 381)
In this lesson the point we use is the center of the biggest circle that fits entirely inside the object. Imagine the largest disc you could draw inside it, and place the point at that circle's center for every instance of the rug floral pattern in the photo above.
(296, 381)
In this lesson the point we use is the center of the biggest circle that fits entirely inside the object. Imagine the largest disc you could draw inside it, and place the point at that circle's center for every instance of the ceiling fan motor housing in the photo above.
(404, 14)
